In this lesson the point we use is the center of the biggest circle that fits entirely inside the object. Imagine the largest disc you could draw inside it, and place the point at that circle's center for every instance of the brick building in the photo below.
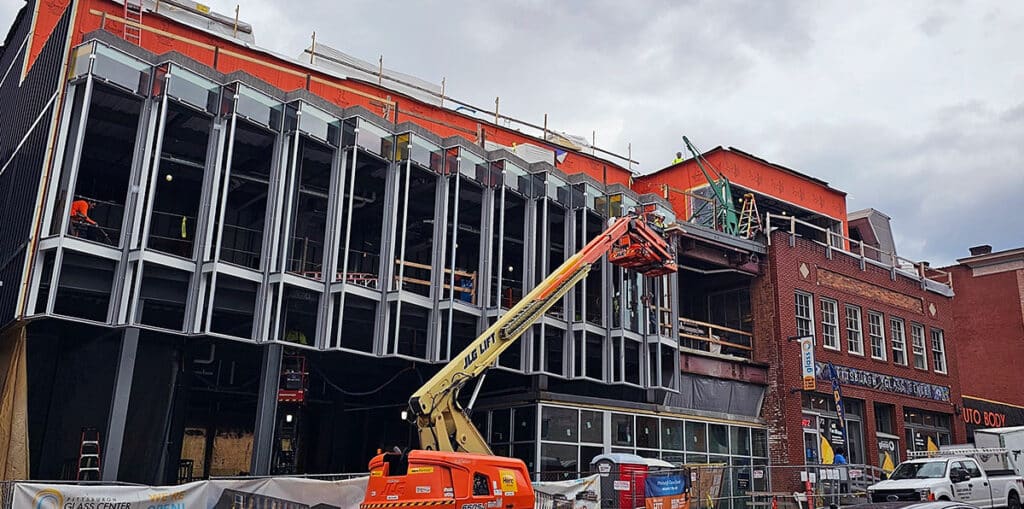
(889, 338)
(885, 323)
(989, 317)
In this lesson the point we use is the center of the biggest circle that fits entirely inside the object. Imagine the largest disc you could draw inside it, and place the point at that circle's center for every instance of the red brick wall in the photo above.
(871, 289)
(989, 315)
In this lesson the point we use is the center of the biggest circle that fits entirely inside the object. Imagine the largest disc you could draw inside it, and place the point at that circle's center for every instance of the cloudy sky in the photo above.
(913, 108)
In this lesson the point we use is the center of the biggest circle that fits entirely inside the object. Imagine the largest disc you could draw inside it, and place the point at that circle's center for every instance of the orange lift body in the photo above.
(452, 479)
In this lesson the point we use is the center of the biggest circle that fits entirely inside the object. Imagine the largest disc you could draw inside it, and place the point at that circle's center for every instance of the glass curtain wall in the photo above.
(248, 165)
(363, 203)
(509, 240)
(567, 439)
(463, 230)
(179, 160)
(103, 127)
(307, 198)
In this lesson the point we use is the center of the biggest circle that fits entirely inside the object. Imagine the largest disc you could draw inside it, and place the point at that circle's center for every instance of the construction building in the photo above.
(226, 261)
(989, 316)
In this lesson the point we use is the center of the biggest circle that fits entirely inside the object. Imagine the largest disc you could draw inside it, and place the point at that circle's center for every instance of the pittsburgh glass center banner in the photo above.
(280, 493)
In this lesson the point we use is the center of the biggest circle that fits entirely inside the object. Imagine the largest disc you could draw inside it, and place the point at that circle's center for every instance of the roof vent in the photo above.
(983, 249)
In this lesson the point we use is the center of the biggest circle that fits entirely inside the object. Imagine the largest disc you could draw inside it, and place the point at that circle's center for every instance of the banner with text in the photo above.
(807, 362)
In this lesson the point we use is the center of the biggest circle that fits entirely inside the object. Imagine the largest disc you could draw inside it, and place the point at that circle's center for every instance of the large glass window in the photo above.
(589, 294)
(465, 201)
(310, 183)
(898, 333)
(854, 331)
(162, 297)
(938, 351)
(920, 352)
(554, 253)
(357, 323)
(830, 323)
(84, 286)
(509, 246)
(876, 331)
(96, 200)
(559, 424)
(178, 183)
(234, 306)
(415, 230)
(622, 430)
(804, 315)
(696, 436)
(409, 329)
(364, 202)
(246, 187)
(458, 330)
(298, 315)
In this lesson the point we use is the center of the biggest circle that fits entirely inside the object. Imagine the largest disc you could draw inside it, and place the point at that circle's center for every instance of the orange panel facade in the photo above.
(751, 173)
(163, 35)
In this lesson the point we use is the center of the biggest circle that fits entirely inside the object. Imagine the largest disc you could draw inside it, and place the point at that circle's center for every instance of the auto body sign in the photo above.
(807, 362)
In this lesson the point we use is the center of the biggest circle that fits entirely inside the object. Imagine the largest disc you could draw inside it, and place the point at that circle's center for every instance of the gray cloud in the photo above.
(914, 108)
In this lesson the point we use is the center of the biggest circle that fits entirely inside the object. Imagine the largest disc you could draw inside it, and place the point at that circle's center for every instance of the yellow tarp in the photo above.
(13, 405)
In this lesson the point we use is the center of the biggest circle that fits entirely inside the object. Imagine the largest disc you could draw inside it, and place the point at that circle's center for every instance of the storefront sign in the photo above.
(807, 362)
(885, 383)
(980, 414)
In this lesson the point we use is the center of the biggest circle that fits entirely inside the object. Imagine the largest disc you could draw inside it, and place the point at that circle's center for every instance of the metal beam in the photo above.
(266, 410)
(119, 404)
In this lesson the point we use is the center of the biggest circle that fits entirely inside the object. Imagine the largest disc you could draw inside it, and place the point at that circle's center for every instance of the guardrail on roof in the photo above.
(930, 279)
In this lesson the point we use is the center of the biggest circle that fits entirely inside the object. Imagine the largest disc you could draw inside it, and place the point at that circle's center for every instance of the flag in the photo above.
(887, 465)
(837, 395)
(931, 446)
(827, 455)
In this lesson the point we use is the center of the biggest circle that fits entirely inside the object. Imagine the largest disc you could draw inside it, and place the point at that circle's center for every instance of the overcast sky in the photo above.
(913, 108)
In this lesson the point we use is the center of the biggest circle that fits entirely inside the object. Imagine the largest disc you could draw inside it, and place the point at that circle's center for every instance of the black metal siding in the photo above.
(20, 106)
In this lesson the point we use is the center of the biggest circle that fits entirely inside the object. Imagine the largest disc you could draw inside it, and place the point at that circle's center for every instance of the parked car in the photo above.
(952, 479)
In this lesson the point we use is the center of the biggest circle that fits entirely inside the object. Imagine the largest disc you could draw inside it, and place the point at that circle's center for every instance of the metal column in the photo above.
(114, 436)
(266, 409)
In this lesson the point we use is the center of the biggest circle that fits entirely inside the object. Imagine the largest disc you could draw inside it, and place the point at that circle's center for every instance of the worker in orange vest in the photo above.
(80, 220)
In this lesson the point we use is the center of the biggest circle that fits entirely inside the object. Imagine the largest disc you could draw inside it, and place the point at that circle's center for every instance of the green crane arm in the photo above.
(442, 424)
(727, 216)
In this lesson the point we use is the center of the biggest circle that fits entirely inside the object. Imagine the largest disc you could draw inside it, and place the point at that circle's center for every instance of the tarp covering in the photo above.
(13, 405)
(583, 493)
(282, 492)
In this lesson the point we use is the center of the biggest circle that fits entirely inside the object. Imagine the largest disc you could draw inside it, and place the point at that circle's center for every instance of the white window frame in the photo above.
(876, 332)
(854, 330)
(809, 316)
(918, 343)
(939, 350)
(830, 324)
(898, 333)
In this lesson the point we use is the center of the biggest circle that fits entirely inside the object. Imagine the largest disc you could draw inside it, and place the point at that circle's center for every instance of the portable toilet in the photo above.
(622, 479)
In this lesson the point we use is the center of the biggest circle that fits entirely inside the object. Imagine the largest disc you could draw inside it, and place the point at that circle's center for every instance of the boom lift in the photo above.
(456, 464)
